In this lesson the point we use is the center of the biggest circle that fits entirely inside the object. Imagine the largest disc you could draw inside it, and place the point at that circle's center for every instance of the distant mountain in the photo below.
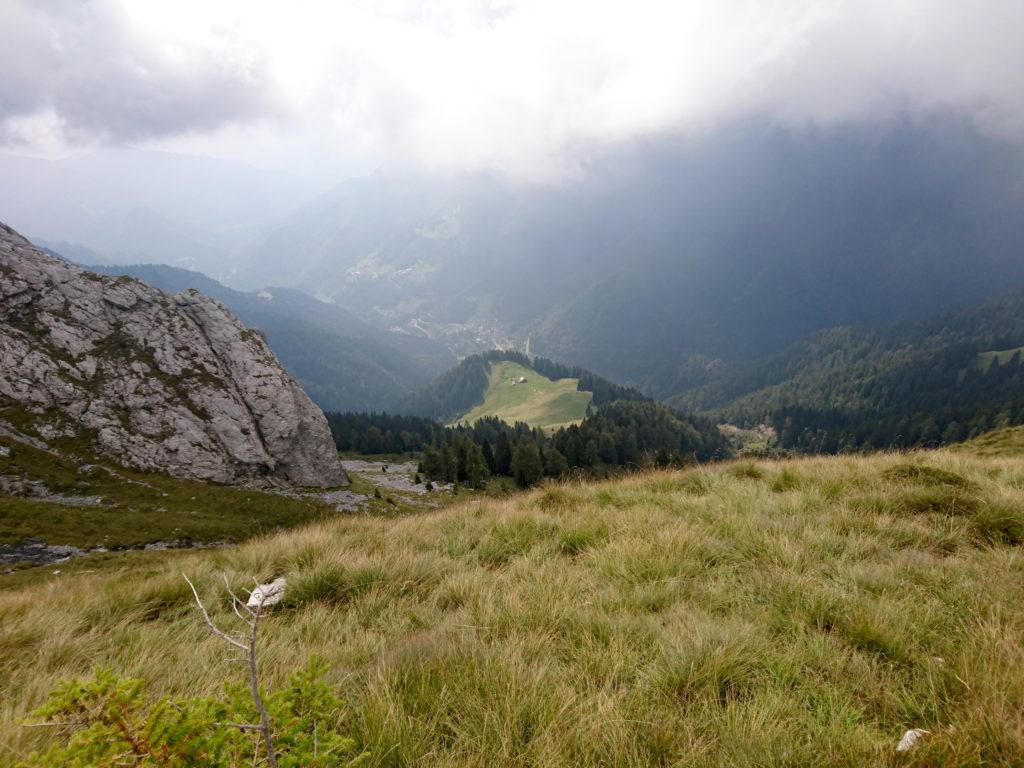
(729, 245)
(937, 381)
(465, 388)
(112, 366)
(341, 362)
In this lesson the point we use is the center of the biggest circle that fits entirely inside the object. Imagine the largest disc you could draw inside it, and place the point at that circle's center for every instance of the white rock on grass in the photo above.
(910, 738)
(267, 594)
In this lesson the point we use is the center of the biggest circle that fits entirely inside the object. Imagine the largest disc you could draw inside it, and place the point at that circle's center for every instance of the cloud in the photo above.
(537, 87)
(82, 71)
(527, 87)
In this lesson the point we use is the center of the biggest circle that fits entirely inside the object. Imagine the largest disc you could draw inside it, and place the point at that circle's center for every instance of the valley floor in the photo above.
(799, 612)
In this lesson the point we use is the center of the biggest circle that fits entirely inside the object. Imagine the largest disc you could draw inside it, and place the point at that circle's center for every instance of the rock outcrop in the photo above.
(169, 383)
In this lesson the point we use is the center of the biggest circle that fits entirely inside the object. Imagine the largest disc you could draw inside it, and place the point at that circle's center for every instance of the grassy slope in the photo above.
(540, 402)
(139, 507)
(1001, 442)
(143, 507)
(802, 612)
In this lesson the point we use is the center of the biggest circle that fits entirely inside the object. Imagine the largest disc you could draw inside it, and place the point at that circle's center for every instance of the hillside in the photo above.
(56, 505)
(1002, 442)
(937, 381)
(799, 612)
(54, 501)
(485, 385)
(516, 393)
(342, 362)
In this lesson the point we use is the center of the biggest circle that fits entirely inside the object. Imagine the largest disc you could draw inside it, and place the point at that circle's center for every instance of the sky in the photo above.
(528, 88)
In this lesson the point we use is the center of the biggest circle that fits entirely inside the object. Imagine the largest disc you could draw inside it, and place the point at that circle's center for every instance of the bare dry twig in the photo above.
(246, 644)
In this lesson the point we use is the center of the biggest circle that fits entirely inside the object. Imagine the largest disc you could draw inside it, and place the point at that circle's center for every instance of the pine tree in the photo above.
(526, 464)
(503, 455)
(431, 464)
(489, 456)
(476, 470)
(555, 464)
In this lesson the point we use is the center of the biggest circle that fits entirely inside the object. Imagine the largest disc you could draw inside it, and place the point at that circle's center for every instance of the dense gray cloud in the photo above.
(528, 87)
(82, 72)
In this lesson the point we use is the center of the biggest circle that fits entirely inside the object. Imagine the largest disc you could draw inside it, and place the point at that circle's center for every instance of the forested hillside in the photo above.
(924, 383)
(622, 435)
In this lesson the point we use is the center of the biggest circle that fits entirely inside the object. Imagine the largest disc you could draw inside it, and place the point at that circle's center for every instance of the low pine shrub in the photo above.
(110, 720)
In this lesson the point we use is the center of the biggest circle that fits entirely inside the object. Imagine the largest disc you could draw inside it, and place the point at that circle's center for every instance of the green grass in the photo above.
(138, 508)
(769, 613)
(539, 401)
(143, 507)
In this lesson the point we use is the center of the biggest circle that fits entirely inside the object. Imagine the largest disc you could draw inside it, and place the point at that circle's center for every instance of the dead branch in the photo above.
(248, 648)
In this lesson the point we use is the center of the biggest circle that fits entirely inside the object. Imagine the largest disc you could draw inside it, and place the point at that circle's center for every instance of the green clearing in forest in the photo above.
(984, 359)
(516, 393)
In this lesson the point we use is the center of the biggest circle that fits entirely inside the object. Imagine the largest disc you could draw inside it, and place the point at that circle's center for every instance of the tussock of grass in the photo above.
(935, 499)
(680, 618)
(925, 475)
(786, 481)
(746, 471)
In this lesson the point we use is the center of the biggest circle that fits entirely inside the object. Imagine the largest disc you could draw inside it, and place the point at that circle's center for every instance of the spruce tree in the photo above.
(503, 455)
(555, 464)
(526, 464)
(488, 454)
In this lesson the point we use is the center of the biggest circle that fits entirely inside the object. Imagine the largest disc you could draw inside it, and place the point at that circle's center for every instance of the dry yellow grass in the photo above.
(802, 612)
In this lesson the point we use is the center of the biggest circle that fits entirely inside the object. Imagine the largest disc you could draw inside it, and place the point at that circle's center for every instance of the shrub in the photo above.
(110, 720)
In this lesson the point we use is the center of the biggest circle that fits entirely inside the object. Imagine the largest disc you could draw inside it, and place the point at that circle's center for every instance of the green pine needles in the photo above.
(110, 721)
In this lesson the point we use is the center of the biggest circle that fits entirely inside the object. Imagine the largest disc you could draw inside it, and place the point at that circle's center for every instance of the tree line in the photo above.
(624, 434)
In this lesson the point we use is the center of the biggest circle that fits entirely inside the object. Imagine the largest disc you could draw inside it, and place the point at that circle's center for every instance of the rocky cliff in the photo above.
(170, 383)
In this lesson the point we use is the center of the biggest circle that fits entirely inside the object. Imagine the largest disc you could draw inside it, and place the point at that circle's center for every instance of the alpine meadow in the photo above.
(473, 383)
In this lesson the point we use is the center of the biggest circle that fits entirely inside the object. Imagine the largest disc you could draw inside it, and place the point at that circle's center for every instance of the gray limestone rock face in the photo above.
(160, 382)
